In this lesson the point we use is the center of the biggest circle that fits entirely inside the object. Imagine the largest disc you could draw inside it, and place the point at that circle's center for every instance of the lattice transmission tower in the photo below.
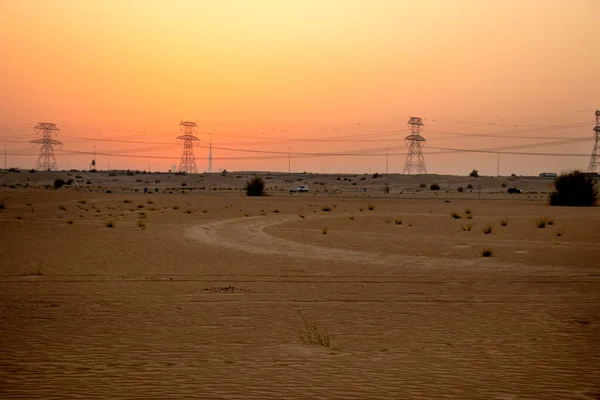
(189, 140)
(596, 150)
(415, 162)
(46, 160)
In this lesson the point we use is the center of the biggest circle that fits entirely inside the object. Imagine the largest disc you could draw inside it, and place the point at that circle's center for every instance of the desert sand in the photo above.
(199, 291)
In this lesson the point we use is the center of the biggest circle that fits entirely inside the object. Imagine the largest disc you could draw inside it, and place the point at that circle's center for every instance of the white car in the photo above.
(301, 189)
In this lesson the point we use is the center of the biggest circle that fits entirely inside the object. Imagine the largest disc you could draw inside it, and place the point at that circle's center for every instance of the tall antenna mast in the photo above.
(415, 162)
(46, 160)
(189, 140)
(595, 152)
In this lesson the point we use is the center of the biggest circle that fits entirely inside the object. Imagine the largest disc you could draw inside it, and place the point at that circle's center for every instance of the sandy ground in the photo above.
(198, 291)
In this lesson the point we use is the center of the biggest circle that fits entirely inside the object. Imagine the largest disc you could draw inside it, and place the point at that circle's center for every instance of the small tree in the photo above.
(574, 189)
(255, 186)
(474, 173)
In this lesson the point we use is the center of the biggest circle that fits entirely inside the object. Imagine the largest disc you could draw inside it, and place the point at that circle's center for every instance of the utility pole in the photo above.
(386, 161)
(4, 155)
(498, 162)
(289, 160)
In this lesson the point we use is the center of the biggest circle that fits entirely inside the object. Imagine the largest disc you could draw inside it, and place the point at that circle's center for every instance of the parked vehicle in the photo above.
(300, 189)
(514, 190)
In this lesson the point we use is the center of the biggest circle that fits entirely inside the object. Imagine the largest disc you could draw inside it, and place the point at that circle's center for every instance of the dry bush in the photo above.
(487, 252)
(324, 231)
(504, 222)
(398, 221)
(325, 208)
(467, 227)
(110, 224)
(455, 215)
(371, 207)
(541, 222)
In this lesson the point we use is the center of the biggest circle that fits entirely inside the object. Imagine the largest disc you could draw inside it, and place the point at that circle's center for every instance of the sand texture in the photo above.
(200, 292)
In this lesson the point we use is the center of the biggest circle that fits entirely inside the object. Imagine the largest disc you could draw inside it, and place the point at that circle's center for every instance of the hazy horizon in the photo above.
(266, 77)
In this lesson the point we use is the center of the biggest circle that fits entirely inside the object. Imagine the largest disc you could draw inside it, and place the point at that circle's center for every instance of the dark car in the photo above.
(513, 190)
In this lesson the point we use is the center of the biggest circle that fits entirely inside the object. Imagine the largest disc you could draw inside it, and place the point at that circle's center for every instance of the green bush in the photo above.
(575, 190)
(255, 187)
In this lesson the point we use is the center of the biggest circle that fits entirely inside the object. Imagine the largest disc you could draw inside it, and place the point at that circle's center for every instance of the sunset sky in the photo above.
(312, 76)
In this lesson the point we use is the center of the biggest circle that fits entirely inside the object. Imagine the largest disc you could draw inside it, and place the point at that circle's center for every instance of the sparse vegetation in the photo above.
(474, 173)
(468, 211)
(504, 222)
(141, 223)
(70, 222)
(324, 231)
(371, 207)
(455, 215)
(110, 224)
(311, 335)
(469, 186)
(574, 190)
(434, 186)
(541, 222)
(82, 202)
(301, 215)
(386, 189)
(62, 208)
(467, 227)
(503, 184)
(559, 233)
(204, 211)
(460, 189)
(189, 211)
(255, 186)
(422, 185)
(2, 205)
(275, 211)
(325, 208)
(488, 229)
(398, 221)
(550, 221)
(487, 253)
(351, 218)
(150, 201)
(37, 271)
(58, 183)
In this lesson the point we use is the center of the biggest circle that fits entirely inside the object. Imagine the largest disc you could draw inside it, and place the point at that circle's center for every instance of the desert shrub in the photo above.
(255, 186)
(487, 252)
(541, 223)
(550, 221)
(324, 231)
(434, 186)
(455, 215)
(422, 185)
(110, 224)
(141, 223)
(559, 233)
(468, 211)
(386, 189)
(351, 218)
(2, 206)
(488, 229)
(62, 208)
(109, 191)
(58, 183)
(467, 227)
(574, 189)
(398, 221)
(460, 189)
(371, 207)
(376, 175)
(275, 211)
(503, 184)
(70, 222)
(504, 222)
(325, 208)
(474, 173)
(469, 186)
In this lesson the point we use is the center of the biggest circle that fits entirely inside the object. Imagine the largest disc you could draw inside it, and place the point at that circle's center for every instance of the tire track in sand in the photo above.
(247, 234)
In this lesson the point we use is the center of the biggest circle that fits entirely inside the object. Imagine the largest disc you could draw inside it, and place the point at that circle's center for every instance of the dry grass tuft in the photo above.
(311, 335)
(541, 222)
(488, 229)
(371, 207)
(110, 224)
(487, 253)
(398, 221)
(325, 208)
(504, 222)
(455, 215)
(324, 231)
(467, 227)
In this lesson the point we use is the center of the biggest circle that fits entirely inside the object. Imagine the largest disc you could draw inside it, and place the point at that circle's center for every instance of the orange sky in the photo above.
(244, 70)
